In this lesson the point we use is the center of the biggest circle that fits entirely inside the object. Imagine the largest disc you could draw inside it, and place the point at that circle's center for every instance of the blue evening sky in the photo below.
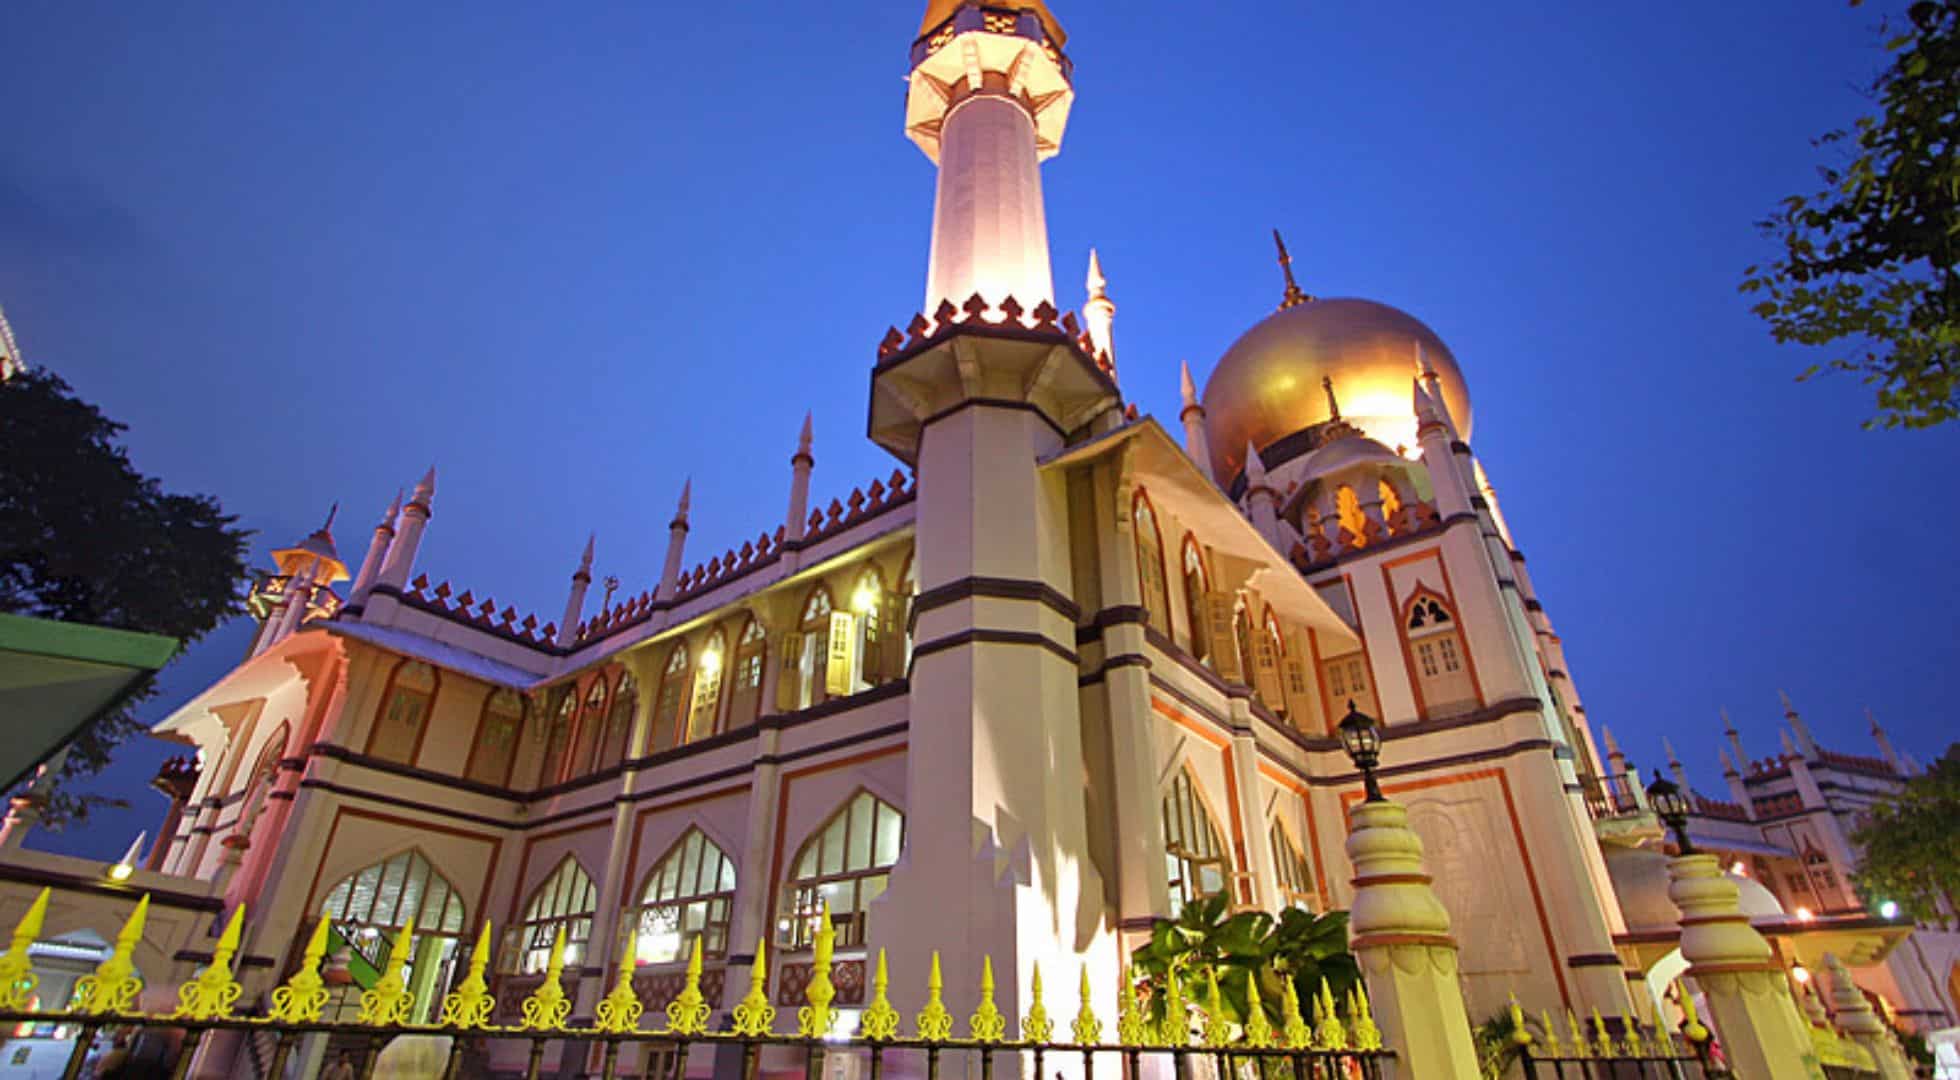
(574, 254)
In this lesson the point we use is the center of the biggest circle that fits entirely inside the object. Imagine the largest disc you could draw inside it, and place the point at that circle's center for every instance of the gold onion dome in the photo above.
(1268, 385)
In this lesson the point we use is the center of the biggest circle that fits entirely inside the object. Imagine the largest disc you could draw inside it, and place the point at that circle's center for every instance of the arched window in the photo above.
(494, 749)
(1347, 506)
(1391, 500)
(846, 863)
(368, 906)
(745, 678)
(1197, 584)
(619, 723)
(1295, 880)
(667, 714)
(1443, 682)
(707, 687)
(565, 898)
(879, 635)
(585, 748)
(688, 894)
(404, 716)
(265, 771)
(558, 737)
(1194, 851)
(1150, 563)
(807, 652)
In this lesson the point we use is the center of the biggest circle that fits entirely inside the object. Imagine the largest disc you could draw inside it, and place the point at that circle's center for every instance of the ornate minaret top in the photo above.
(989, 98)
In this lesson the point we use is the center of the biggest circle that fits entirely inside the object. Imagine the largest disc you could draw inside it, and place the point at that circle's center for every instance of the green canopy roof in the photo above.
(57, 677)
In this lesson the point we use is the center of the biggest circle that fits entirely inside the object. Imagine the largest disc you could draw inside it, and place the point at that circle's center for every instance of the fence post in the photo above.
(1748, 996)
(1854, 1014)
(1402, 939)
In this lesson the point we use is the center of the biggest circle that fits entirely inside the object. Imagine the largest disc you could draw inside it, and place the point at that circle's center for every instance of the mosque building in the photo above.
(1063, 670)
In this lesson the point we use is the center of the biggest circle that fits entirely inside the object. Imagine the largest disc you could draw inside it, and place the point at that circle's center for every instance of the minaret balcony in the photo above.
(1618, 807)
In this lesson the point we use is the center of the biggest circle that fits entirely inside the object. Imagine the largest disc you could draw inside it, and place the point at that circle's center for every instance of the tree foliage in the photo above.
(86, 538)
(1867, 265)
(1298, 945)
(1911, 844)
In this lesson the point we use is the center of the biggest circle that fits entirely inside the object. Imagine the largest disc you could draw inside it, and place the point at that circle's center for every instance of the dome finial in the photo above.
(1333, 405)
(1294, 297)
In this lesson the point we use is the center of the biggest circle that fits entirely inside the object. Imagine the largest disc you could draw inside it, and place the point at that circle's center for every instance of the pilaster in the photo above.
(1748, 996)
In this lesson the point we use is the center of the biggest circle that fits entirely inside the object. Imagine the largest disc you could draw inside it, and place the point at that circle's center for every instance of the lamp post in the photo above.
(1361, 737)
(1670, 804)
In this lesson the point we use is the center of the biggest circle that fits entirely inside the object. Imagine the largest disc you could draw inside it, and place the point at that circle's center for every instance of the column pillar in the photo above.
(1402, 940)
(1855, 1018)
(1748, 997)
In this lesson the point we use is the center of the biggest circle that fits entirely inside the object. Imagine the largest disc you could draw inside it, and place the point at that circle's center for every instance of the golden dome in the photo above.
(1267, 386)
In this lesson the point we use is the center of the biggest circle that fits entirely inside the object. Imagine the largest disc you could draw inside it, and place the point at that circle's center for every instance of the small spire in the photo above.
(1612, 744)
(425, 490)
(585, 559)
(1096, 283)
(1255, 467)
(1872, 719)
(687, 497)
(1333, 404)
(1294, 297)
(327, 525)
(394, 511)
(1186, 389)
(1789, 746)
(1728, 763)
(805, 438)
(1668, 748)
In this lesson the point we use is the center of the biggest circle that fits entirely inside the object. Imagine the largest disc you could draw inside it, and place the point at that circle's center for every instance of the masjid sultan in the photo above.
(1063, 670)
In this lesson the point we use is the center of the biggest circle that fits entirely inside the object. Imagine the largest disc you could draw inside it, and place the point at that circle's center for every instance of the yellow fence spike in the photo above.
(388, 1003)
(1366, 1035)
(1635, 1045)
(1258, 1029)
(1036, 1027)
(114, 985)
(1552, 1046)
(1087, 1029)
(17, 978)
(618, 1013)
(1328, 1033)
(1691, 1028)
(1176, 1029)
(1520, 1035)
(935, 1023)
(1580, 1047)
(880, 1021)
(547, 1008)
(469, 1005)
(1293, 1025)
(1604, 1042)
(212, 993)
(1132, 1029)
(754, 1017)
(688, 1013)
(304, 995)
(987, 1024)
(1217, 1031)
(813, 1021)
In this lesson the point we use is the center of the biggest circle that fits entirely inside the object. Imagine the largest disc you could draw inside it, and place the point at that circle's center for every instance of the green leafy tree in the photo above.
(1204, 938)
(1911, 845)
(86, 538)
(1867, 264)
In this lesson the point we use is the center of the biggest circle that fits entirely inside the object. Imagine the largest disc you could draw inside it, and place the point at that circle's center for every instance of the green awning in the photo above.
(57, 677)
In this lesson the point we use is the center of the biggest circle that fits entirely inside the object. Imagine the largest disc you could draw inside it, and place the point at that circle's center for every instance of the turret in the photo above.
(988, 102)
(1433, 435)
(1616, 762)
(1675, 767)
(1193, 415)
(408, 537)
(1261, 501)
(1884, 742)
(377, 551)
(575, 602)
(1735, 740)
(800, 464)
(1797, 724)
(670, 571)
(1099, 311)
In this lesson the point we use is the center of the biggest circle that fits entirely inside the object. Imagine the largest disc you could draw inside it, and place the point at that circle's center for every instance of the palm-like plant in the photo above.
(1248, 946)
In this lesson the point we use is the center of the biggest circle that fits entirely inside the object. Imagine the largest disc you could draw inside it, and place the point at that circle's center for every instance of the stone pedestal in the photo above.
(1855, 1018)
(1402, 940)
(1762, 1032)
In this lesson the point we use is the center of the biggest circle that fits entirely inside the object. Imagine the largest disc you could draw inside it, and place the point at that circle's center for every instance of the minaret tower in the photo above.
(988, 101)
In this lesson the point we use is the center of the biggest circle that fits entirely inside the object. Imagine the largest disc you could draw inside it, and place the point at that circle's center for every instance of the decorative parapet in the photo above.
(1333, 541)
(1008, 317)
(1716, 808)
(482, 614)
(1857, 763)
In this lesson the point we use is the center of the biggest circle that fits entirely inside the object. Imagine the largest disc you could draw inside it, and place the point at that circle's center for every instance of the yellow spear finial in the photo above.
(1635, 1044)
(1328, 1032)
(1036, 1027)
(813, 1021)
(880, 1021)
(1292, 1024)
(618, 1013)
(1606, 1049)
(389, 1002)
(1176, 1030)
(1580, 1047)
(470, 1004)
(754, 1017)
(305, 994)
(1552, 1045)
(1258, 1028)
(688, 1013)
(935, 1023)
(548, 1008)
(1131, 1027)
(17, 978)
(1367, 1036)
(114, 985)
(1216, 1031)
(212, 993)
(987, 1024)
(1087, 1029)
(1519, 1034)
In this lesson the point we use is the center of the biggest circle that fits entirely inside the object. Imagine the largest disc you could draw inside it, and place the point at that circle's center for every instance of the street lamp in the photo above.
(1362, 739)
(1670, 804)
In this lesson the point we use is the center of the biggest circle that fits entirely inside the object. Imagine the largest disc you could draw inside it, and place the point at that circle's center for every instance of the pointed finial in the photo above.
(935, 1023)
(17, 978)
(1788, 709)
(1333, 404)
(1728, 726)
(813, 1021)
(1186, 389)
(585, 558)
(1294, 297)
(1552, 1047)
(1096, 282)
(619, 1012)
(113, 986)
(754, 1017)
(470, 1004)
(1872, 719)
(688, 1013)
(1293, 1025)
(1612, 744)
(393, 512)
(1087, 1029)
(1036, 1027)
(1668, 748)
(425, 488)
(1255, 467)
(987, 1025)
(1789, 746)
(1217, 1031)
(880, 1021)
(303, 996)
(388, 1002)
(1258, 1028)
(211, 994)
(1132, 1029)
(687, 498)
(327, 525)
(1728, 763)
(806, 437)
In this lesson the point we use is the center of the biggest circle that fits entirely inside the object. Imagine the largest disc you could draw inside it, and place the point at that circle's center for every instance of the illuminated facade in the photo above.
(1057, 673)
